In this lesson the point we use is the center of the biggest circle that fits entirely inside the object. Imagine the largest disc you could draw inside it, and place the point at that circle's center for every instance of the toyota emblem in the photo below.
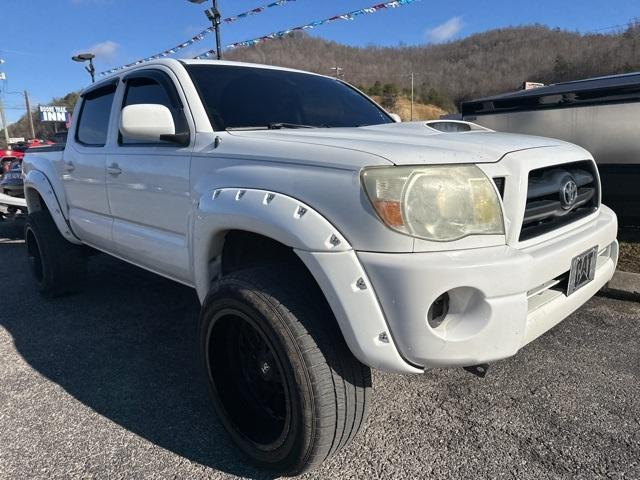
(569, 194)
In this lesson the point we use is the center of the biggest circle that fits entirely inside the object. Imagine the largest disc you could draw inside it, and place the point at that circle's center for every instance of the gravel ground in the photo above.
(103, 385)
(629, 250)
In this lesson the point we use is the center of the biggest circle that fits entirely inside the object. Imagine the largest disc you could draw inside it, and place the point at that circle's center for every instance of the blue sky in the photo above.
(38, 37)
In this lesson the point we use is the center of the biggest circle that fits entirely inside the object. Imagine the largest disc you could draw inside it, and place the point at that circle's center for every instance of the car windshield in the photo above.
(245, 98)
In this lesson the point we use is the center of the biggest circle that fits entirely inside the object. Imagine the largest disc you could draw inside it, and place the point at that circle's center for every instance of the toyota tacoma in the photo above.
(323, 238)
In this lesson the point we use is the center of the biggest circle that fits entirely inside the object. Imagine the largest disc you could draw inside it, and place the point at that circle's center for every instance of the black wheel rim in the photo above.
(34, 257)
(249, 379)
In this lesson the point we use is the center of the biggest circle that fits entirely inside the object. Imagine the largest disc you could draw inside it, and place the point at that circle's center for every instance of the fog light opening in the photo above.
(438, 311)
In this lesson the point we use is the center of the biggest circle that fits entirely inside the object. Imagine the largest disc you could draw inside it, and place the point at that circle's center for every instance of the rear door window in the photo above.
(95, 113)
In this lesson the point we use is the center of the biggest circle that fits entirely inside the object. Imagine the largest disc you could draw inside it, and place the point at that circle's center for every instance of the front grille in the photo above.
(499, 181)
(558, 196)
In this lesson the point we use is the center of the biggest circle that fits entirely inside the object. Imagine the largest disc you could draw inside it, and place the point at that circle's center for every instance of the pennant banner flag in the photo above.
(200, 36)
(248, 43)
(347, 16)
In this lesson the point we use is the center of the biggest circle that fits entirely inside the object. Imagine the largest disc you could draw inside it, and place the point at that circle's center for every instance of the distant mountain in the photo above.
(487, 63)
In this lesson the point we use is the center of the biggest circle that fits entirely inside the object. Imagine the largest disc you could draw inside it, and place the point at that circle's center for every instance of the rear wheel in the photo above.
(58, 266)
(283, 381)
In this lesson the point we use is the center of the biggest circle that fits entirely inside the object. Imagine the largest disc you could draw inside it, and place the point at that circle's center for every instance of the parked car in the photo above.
(11, 182)
(13, 151)
(600, 114)
(322, 237)
(17, 150)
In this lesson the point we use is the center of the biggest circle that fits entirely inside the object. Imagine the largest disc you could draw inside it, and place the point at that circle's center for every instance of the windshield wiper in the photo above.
(271, 126)
(278, 126)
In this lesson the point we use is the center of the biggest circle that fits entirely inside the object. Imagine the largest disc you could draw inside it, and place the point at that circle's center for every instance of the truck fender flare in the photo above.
(37, 182)
(327, 254)
(268, 213)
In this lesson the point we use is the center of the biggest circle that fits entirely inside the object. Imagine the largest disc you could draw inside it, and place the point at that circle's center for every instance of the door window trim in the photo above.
(112, 84)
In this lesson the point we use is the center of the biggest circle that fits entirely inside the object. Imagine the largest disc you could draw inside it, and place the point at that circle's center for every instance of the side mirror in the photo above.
(396, 117)
(147, 123)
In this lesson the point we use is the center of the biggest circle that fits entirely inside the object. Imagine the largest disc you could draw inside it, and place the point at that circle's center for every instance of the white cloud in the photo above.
(445, 31)
(105, 51)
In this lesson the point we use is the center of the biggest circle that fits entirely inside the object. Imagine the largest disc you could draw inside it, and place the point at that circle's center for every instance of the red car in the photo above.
(12, 152)
(17, 149)
(16, 152)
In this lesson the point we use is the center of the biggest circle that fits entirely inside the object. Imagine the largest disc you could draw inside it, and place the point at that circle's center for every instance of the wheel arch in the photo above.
(271, 215)
(40, 195)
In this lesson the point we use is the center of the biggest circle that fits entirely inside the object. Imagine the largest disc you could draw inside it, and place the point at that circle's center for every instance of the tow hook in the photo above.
(478, 370)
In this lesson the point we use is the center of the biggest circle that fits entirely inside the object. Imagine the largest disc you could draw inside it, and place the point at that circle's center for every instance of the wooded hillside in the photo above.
(487, 63)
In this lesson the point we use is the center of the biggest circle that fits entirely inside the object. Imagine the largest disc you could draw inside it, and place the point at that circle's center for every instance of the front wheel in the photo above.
(283, 381)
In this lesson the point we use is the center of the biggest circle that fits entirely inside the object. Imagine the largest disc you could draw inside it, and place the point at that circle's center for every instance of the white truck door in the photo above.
(148, 184)
(83, 171)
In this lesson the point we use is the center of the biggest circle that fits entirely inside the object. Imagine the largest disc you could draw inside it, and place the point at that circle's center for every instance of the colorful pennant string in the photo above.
(308, 26)
(200, 36)
(248, 43)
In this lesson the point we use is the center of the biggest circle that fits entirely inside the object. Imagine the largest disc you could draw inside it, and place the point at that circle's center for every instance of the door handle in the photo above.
(69, 166)
(114, 170)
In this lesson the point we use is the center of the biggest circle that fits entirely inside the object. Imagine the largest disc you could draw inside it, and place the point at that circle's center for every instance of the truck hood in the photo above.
(411, 143)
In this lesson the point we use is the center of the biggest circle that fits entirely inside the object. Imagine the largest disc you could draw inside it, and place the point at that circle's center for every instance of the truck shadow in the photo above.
(127, 348)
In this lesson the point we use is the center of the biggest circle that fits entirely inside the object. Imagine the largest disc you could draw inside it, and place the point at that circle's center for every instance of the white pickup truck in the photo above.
(323, 237)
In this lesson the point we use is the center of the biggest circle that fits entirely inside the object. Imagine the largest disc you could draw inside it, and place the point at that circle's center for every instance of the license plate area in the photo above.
(583, 270)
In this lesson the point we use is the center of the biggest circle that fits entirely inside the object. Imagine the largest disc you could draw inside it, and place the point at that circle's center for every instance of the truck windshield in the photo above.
(244, 98)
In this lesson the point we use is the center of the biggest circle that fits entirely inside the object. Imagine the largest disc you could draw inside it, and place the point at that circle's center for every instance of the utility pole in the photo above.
(339, 71)
(5, 127)
(29, 116)
(412, 94)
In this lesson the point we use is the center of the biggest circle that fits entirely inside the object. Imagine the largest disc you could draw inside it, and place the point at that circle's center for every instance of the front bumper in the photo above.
(500, 299)
(12, 188)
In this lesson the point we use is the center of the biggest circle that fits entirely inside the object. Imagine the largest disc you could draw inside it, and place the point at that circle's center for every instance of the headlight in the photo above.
(439, 203)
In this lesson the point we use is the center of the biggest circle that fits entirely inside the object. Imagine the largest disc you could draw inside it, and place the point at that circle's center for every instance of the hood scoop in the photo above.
(455, 126)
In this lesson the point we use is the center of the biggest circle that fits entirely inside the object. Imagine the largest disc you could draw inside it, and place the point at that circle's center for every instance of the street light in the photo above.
(214, 16)
(87, 57)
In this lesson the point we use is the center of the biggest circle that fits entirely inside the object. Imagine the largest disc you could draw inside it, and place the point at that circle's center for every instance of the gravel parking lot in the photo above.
(629, 249)
(104, 384)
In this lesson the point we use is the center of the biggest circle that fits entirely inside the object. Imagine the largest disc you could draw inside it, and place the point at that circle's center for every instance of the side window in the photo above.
(157, 90)
(93, 121)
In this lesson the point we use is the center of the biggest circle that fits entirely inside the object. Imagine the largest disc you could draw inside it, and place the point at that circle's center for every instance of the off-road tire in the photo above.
(326, 389)
(58, 266)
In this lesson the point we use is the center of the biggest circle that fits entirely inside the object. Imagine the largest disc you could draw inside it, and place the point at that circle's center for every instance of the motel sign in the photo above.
(54, 114)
